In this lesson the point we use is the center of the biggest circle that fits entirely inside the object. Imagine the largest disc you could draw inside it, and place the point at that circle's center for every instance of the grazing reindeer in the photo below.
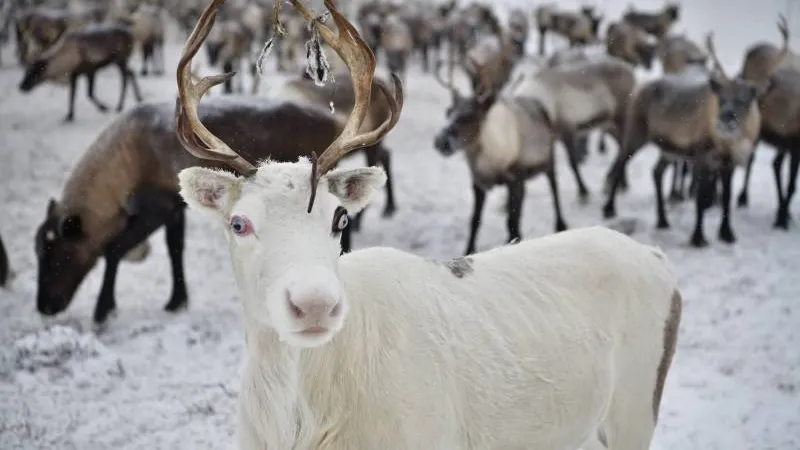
(84, 52)
(578, 28)
(587, 320)
(656, 23)
(630, 44)
(712, 120)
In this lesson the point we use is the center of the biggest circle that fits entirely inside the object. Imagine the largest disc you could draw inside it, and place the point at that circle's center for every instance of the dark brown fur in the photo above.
(39, 26)
(780, 128)
(84, 52)
(670, 344)
(137, 157)
(630, 44)
(577, 27)
(656, 23)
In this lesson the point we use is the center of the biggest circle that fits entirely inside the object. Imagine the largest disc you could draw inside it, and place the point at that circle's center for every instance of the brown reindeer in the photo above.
(711, 120)
(577, 27)
(656, 23)
(760, 61)
(630, 44)
(84, 52)
(397, 43)
(125, 186)
(228, 45)
(677, 53)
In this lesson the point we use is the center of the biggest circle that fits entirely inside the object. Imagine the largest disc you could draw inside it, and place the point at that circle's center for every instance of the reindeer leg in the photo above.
(228, 86)
(542, 33)
(146, 52)
(744, 199)
(516, 195)
(658, 180)
(553, 181)
(346, 240)
(480, 198)
(777, 166)
(601, 143)
(385, 158)
(574, 153)
(134, 84)
(725, 231)
(154, 207)
(90, 92)
(613, 181)
(704, 182)
(783, 217)
(675, 194)
(73, 80)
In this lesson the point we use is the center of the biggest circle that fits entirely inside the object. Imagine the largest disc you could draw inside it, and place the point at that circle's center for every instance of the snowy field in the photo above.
(154, 380)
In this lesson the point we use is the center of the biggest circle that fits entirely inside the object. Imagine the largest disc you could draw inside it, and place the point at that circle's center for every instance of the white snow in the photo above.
(153, 380)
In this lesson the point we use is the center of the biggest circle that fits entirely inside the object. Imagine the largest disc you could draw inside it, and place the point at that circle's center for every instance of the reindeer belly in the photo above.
(500, 141)
(582, 109)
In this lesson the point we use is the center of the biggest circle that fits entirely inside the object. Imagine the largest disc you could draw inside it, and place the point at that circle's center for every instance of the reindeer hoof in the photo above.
(662, 224)
(69, 118)
(178, 302)
(726, 235)
(609, 212)
(560, 226)
(742, 201)
(699, 241)
(782, 220)
(102, 108)
(388, 211)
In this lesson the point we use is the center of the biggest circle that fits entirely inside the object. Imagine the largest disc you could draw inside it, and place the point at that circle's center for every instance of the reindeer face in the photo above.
(286, 259)
(64, 258)
(735, 99)
(464, 118)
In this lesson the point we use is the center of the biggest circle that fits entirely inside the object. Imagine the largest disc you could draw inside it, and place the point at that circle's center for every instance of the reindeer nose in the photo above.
(315, 308)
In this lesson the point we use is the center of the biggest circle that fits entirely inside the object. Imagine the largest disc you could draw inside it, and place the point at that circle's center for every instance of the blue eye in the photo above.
(241, 226)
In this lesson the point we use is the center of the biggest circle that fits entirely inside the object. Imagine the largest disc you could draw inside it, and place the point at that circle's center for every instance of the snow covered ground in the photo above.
(159, 381)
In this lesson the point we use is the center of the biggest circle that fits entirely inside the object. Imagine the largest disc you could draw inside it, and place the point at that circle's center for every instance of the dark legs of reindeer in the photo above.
(574, 148)
(516, 194)
(726, 177)
(4, 266)
(658, 181)
(705, 183)
(744, 198)
(127, 74)
(228, 86)
(614, 182)
(73, 81)
(680, 170)
(784, 199)
(147, 55)
(90, 92)
(553, 181)
(542, 32)
(601, 143)
(148, 209)
(480, 198)
(423, 50)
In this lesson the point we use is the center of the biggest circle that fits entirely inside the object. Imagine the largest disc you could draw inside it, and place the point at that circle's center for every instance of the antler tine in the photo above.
(485, 88)
(440, 79)
(192, 134)
(358, 57)
(783, 27)
(712, 52)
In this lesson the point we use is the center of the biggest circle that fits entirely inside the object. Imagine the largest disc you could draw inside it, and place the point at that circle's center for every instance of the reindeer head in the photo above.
(66, 252)
(736, 96)
(284, 251)
(465, 115)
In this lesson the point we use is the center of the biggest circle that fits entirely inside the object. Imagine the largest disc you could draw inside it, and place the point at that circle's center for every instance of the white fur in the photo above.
(545, 344)
(500, 140)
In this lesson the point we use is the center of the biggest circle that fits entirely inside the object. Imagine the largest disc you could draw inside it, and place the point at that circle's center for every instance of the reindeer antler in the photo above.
(783, 27)
(712, 52)
(486, 86)
(192, 134)
(358, 57)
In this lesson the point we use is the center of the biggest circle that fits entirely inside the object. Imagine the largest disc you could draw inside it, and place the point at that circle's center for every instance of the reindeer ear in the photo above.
(208, 189)
(354, 187)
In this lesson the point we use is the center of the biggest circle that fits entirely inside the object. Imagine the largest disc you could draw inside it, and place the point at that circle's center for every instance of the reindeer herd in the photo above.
(265, 166)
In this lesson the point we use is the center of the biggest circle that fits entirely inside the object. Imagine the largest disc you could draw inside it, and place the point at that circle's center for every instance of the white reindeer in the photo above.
(553, 343)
